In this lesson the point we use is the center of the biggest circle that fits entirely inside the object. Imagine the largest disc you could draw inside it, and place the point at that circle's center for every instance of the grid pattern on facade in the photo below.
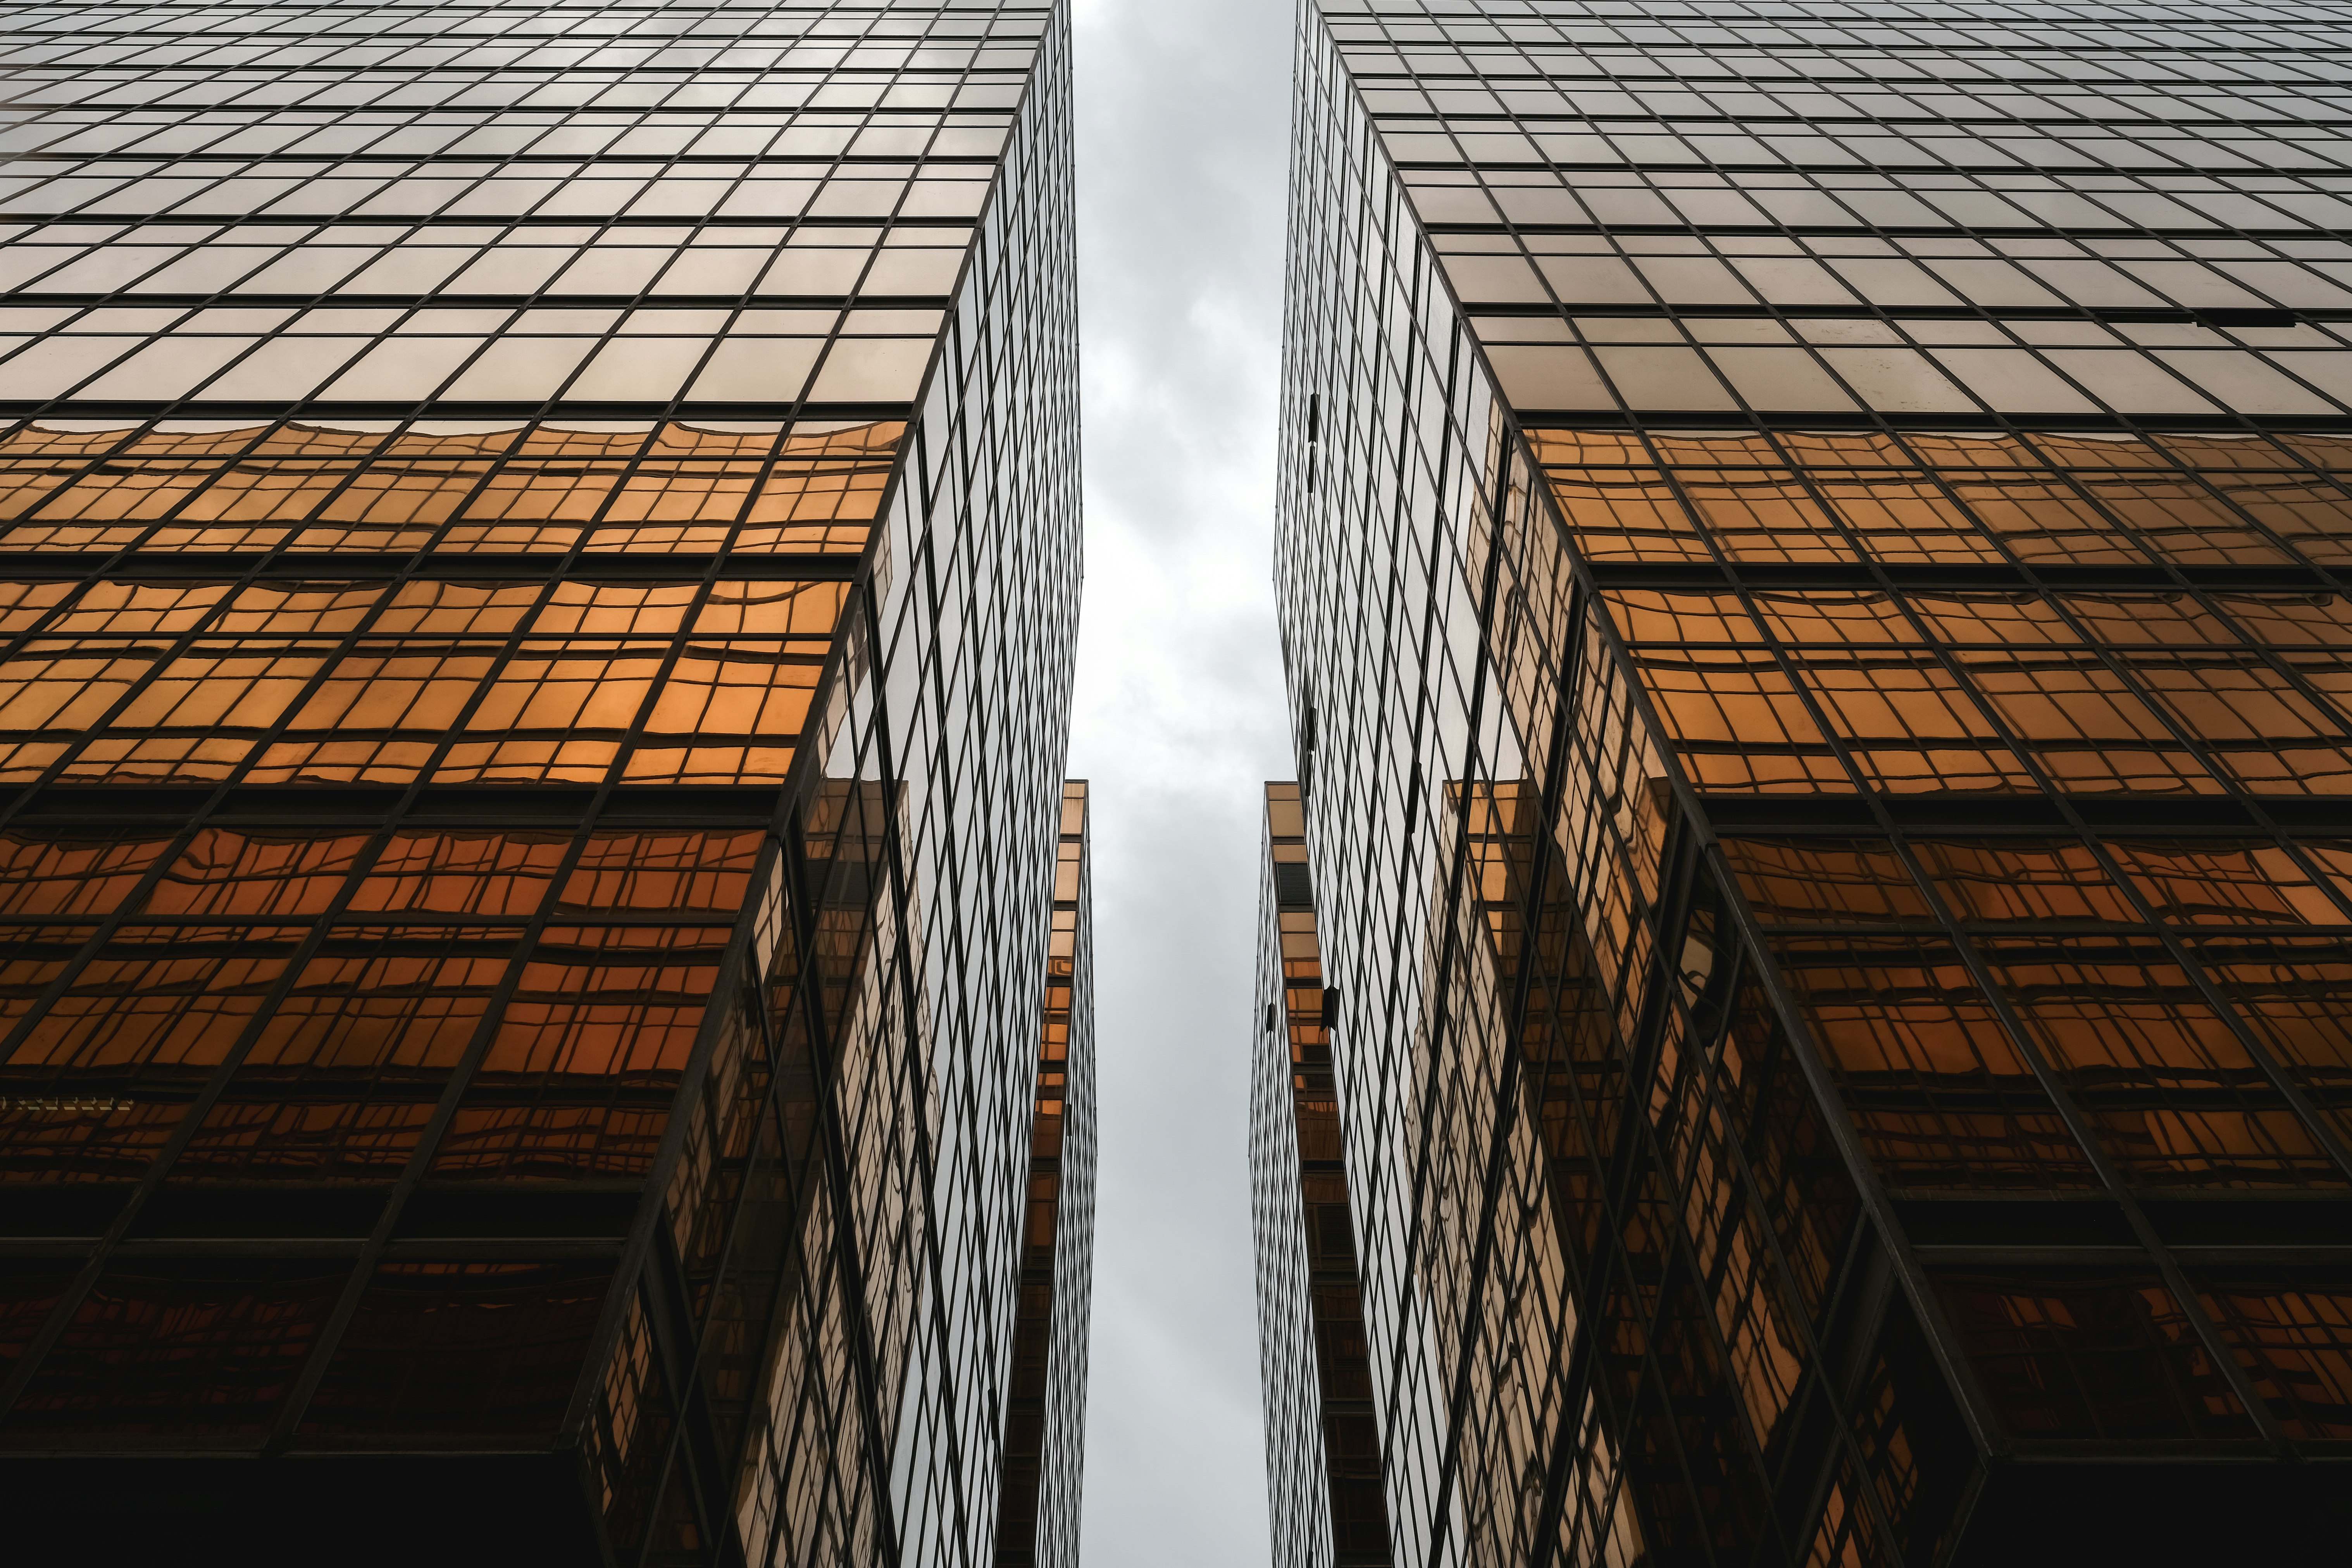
(1044, 1445)
(1324, 1469)
(539, 583)
(1810, 571)
(1942, 213)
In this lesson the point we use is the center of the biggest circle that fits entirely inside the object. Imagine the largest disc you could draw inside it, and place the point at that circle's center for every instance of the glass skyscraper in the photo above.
(1812, 561)
(543, 1008)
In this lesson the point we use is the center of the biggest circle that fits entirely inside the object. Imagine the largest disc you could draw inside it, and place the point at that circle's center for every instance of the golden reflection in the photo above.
(524, 488)
(1922, 499)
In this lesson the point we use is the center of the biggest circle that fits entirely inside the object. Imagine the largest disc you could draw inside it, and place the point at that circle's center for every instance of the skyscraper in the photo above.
(540, 571)
(1811, 571)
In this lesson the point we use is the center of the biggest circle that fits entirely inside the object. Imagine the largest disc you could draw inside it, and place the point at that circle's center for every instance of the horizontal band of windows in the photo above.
(111, 807)
(2180, 1218)
(260, 161)
(2119, 229)
(2075, 941)
(2128, 1256)
(1713, 419)
(326, 224)
(1820, 52)
(2216, 316)
(1599, 79)
(1847, 577)
(2026, 813)
(1504, 123)
(522, 73)
(1857, 165)
(525, 73)
(556, 300)
(279, 1216)
(196, 408)
(76, 1244)
(438, 566)
(494, 931)
(345, 942)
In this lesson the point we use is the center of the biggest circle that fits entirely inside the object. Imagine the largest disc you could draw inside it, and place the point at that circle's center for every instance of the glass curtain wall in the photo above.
(539, 575)
(1323, 1444)
(1044, 1445)
(1811, 566)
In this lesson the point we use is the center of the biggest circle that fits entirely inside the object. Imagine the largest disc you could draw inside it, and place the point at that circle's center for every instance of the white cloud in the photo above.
(1183, 120)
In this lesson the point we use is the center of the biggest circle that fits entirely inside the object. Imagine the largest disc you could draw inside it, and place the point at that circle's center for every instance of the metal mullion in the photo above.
(1571, 1381)
(62, 405)
(1641, 1150)
(2070, 478)
(1620, 1167)
(848, 1274)
(461, 1075)
(70, 1303)
(361, 461)
(342, 649)
(140, 892)
(2061, 1099)
(1806, 475)
(814, 1406)
(1403, 293)
(912, 1065)
(2217, 1350)
(1837, 1389)
(2287, 1088)
(89, 461)
(794, 1281)
(1506, 1094)
(233, 1057)
(698, 1330)
(261, 561)
(1870, 1190)
(795, 895)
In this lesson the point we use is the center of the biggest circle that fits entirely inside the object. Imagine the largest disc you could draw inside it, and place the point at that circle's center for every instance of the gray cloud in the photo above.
(1183, 118)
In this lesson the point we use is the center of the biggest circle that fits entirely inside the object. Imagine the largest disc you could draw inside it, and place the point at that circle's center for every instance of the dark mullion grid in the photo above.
(1806, 477)
(621, 121)
(458, 77)
(1453, 1431)
(2317, 1126)
(1403, 289)
(2022, 1039)
(28, 797)
(284, 1433)
(1353, 374)
(1663, 1009)
(423, 561)
(1636, 1129)
(1871, 1194)
(2254, 1410)
(1890, 235)
(546, 297)
(1891, 314)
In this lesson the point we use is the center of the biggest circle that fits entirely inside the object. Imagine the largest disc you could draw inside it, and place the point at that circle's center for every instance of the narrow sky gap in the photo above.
(1184, 114)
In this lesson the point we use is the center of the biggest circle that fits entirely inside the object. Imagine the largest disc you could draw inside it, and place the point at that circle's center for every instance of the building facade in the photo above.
(1322, 1440)
(1810, 560)
(1045, 1447)
(540, 575)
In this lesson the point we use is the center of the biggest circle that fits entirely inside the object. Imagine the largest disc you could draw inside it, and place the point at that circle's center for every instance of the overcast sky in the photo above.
(1182, 120)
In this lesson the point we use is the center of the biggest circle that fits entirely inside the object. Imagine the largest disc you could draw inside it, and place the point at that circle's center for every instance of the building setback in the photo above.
(540, 573)
(1811, 568)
